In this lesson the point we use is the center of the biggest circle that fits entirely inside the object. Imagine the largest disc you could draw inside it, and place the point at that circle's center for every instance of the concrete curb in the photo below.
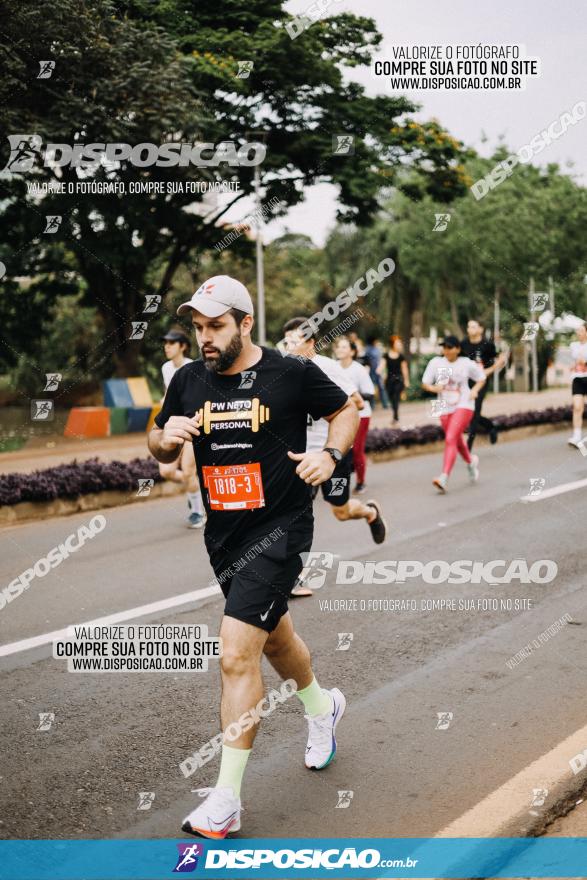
(27, 511)
(508, 812)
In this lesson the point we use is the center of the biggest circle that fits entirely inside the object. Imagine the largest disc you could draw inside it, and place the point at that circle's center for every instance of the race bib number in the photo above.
(234, 487)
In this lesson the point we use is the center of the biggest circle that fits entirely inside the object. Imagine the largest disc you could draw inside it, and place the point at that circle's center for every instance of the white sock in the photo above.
(577, 435)
(195, 502)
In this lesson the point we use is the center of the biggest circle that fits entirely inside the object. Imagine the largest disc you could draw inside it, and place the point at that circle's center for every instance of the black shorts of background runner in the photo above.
(337, 490)
(257, 580)
(579, 385)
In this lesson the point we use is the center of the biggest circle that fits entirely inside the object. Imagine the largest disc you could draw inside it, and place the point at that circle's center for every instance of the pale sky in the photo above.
(553, 32)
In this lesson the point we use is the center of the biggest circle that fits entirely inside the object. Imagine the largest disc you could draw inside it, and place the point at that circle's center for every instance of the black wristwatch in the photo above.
(335, 454)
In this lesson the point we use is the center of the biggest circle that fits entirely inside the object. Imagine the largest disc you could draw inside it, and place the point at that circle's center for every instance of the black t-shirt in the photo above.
(484, 351)
(253, 418)
(394, 368)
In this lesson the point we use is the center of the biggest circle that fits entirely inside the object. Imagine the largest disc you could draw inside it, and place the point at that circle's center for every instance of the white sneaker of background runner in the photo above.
(575, 439)
(216, 816)
(473, 468)
(321, 747)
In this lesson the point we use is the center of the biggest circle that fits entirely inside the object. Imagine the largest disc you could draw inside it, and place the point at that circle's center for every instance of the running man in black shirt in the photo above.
(245, 409)
(483, 351)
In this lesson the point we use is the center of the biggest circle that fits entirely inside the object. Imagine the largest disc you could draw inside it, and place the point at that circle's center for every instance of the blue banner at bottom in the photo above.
(292, 858)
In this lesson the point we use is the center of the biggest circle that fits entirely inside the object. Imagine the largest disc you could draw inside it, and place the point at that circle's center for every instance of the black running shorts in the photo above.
(257, 579)
(580, 385)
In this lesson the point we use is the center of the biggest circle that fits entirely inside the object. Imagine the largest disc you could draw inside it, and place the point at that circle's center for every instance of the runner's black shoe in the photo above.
(378, 526)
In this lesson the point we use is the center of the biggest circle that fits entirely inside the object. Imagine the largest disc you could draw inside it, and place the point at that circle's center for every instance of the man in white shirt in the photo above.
(337, 489)
(183, 470)
(448, 377)
(579, 387)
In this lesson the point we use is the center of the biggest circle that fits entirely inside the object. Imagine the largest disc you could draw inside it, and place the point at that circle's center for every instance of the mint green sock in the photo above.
(232, 768)
(315, 700)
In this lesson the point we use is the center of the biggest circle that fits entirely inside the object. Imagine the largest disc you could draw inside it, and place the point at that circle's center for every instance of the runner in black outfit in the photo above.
(245, 409)
(483, 351)
(398, 377)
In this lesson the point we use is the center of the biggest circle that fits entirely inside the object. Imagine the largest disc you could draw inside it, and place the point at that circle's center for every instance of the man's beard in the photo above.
(226, 358)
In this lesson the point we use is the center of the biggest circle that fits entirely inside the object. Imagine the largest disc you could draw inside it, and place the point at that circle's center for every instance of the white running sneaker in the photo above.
(473, 468)
(321, 747)
(440, 483)
(574, 440)
(215, 817)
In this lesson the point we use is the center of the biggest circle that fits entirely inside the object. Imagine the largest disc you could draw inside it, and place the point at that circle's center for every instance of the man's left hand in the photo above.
(314, 467)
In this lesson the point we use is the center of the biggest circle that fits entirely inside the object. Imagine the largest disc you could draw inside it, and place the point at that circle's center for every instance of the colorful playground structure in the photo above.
(128, 407)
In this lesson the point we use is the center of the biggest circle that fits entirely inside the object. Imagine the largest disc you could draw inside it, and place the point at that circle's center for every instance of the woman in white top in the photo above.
(448, 377)
(183, 469)
(359, 375)
(579, 388)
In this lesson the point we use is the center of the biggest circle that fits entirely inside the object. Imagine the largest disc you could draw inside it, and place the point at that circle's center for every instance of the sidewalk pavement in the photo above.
(45, 452)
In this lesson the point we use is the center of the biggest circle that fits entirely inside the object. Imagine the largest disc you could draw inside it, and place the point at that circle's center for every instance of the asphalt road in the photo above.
(115, 735)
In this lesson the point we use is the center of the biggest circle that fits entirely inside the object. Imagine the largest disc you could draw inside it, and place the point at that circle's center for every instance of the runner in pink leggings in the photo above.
(448, 377)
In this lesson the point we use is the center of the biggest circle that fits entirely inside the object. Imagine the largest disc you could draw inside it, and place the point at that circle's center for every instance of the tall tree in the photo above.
(151, 72)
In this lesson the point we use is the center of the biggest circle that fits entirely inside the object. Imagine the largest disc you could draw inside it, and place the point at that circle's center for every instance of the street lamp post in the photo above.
(261, 332)
(496, 335)
(533, 346)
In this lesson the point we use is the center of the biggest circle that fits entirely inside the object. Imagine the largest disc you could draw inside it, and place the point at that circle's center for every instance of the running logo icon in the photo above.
(343, 144)
(145, 487)
(152, 302)
(539, 796)
(441, 222)
(146, 799)
(444, 719)
(23, 149)
(46, 719)
(244, 69)
(46, 69)
(537, 484)
(530, 331)
(187, 860)
(344, 799)
(52, 381)
(344, 641)
(316, 565)
(337, 486)
(52, 223)
(42, 410)
(138, 329)
(247, 379)
(539, 302)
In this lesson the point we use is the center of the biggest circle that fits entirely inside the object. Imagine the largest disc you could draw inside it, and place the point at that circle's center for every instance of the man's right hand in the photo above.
(177, 430)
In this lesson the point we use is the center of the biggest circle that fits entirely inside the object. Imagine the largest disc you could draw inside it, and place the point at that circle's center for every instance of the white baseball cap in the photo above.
(217, 295)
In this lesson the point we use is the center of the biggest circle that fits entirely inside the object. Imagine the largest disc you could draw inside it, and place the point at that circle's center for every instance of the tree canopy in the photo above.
(154, 72)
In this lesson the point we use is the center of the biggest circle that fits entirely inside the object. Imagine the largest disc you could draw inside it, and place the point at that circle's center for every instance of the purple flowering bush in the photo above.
(76, 478)
(84, 477)
(380, 439)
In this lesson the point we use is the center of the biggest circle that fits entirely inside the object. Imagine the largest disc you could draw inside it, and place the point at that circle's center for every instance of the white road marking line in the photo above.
(556, 490)
(514, 797)
(151, 608)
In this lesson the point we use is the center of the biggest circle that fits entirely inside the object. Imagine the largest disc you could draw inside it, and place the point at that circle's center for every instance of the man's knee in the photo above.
(236, 662)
